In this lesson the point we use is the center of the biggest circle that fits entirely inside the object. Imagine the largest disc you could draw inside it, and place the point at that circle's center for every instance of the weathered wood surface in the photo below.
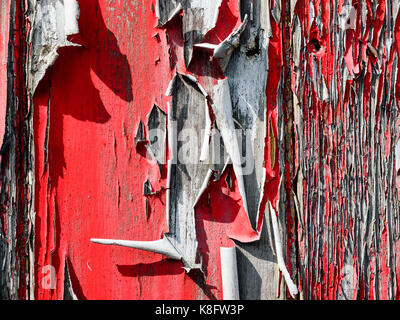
(289, 107)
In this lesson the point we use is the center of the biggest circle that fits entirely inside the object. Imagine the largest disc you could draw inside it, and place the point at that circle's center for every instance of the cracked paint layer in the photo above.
(345, 95)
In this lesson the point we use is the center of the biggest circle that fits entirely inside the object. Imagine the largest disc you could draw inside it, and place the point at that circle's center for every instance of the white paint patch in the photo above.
(230, 284)
(71, 11)
(205, 149)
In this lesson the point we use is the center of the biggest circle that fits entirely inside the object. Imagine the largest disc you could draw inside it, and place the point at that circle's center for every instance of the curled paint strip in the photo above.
(278, 247)
(162, 246)
(224, 50)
